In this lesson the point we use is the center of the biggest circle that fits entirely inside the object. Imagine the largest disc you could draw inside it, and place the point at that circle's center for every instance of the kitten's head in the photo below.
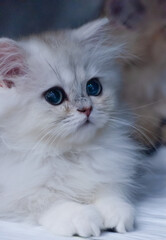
(59, 87)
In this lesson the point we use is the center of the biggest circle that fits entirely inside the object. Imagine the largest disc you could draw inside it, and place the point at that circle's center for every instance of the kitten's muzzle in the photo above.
(86, 111)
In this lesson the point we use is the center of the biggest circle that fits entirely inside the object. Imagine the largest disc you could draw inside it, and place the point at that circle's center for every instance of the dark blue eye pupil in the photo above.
(93, 87)
(54, 96)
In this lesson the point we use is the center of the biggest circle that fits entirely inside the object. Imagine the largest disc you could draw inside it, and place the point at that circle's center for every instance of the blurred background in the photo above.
(23, 17)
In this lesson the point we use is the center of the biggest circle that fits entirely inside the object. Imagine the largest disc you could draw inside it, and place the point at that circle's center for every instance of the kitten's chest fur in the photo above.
(71, 174)
(77, 174)
(33, 180)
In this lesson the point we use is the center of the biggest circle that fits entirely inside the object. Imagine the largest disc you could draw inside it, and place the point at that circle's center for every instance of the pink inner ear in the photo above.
(15, 72)
(6, 84)
(11, 62)
(11, 59)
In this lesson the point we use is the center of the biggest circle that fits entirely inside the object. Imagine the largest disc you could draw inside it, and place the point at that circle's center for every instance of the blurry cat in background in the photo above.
(142, 23)
(67, 159)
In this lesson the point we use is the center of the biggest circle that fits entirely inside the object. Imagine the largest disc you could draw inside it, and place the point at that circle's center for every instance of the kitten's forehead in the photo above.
(62, 62)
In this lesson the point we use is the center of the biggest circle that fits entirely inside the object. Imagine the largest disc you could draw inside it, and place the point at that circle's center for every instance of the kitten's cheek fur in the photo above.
(116, 213)
(70, 218)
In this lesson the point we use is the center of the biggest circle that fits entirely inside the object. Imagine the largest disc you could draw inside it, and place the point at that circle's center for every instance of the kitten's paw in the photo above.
(117, 215)
(71, 219)
(88, 222)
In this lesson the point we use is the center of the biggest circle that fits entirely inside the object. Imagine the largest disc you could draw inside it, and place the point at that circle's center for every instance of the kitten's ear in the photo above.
(11, 62)
(90, 30)
(128, 13)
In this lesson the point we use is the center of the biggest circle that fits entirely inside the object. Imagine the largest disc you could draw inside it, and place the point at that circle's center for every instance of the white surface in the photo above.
(150, 221)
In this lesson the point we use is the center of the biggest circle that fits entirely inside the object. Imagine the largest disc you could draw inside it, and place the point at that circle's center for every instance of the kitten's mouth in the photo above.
(86, 123)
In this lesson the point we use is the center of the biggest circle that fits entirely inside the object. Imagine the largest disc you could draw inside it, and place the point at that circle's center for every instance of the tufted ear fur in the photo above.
(91, 29)
(100, 38)
(12, 63)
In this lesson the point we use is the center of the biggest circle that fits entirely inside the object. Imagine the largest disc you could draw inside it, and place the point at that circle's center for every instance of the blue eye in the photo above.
(94, 87)
(55, 96)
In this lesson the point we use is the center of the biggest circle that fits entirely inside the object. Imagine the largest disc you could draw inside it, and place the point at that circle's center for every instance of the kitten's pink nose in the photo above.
(86, 111)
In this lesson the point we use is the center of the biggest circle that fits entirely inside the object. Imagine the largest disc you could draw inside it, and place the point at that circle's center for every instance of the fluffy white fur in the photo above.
(69, 177)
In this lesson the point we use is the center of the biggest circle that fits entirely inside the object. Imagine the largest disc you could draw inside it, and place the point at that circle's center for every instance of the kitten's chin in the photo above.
(81, 135)
(84, 134)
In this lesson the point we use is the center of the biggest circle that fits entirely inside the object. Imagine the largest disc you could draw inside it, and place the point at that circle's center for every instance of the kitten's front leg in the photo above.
(70, 218)
(117, 213)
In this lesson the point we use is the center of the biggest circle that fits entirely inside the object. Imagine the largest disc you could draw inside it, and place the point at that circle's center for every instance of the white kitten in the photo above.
(66, 160)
